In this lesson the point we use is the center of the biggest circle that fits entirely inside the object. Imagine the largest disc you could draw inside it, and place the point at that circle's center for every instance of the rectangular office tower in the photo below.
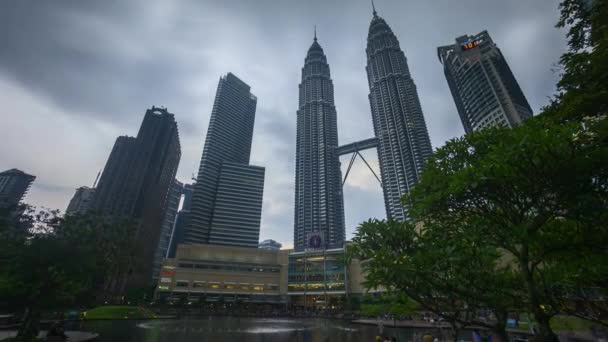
(227, 197)
(135, 184)
(483, 87)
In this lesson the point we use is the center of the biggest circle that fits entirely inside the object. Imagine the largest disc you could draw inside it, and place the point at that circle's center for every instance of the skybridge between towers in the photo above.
(355, 148)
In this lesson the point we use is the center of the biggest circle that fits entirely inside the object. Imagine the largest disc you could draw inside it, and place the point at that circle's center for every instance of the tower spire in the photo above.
(374, 9)
(315, 33)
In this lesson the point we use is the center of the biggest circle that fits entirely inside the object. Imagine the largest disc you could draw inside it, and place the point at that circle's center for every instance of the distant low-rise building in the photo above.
(14, 184)
(270, 244)
(81, 201)
(212, 273)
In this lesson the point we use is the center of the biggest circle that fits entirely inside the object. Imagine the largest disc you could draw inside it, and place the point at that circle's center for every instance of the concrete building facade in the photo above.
(211, 273)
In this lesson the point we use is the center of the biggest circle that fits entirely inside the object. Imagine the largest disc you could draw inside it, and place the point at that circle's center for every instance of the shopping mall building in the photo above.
(214, 273)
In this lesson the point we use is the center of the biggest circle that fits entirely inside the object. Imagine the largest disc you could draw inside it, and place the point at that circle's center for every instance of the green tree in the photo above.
(445, 272)
(538, 194)
(506, 219)
(583, 87)
(50, 262)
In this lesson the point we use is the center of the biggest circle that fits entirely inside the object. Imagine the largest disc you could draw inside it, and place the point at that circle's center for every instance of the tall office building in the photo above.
(226, 203)
(14, 184)
(482, 84)
(167, 227)
(135, 184)
(81, 201)
(319, 203)
(403, 139)
(181, 221)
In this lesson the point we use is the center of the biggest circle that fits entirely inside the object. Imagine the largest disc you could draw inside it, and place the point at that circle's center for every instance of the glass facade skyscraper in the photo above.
(399, 125)
(175, 196)
(483, 87)
(181, 221)
(319, 204)
(227, 197)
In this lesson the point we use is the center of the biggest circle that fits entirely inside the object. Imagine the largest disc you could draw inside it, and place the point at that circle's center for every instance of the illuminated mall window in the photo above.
(272, 287)
(229, 286)
(214, 286)
(315, 286)
(181, 283)
(259, 288)
(296, 287)
(335, 286)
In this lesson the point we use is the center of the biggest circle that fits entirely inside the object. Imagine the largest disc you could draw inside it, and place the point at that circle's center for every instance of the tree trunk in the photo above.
(544, 333)
(501, 333)
(30, 325)
(500, 328)
(455, 330)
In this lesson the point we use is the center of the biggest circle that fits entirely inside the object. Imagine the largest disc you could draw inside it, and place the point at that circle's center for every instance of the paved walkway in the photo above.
(403, 324)
(73, 336)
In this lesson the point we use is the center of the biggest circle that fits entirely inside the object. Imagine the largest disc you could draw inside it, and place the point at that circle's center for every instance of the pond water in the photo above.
(241, 330)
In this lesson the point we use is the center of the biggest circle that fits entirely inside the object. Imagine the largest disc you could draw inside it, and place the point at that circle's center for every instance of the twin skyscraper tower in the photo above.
(402, 138)
(227, 199)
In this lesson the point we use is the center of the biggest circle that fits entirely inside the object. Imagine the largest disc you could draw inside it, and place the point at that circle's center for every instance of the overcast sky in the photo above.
(74, 75)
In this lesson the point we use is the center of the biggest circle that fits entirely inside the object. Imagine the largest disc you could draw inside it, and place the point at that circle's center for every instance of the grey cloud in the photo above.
(100, 64)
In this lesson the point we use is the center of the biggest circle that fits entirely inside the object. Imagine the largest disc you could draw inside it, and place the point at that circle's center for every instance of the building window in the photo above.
(271, 287)
(214, 286)
(181, 283)
(198, 284)
(258, 288)
(229, 286)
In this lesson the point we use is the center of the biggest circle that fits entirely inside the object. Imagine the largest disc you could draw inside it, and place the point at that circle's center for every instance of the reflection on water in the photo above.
(239, 329)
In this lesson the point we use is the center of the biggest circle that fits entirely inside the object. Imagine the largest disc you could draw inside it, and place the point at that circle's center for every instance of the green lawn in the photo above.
(570, 323)
(560, 323)
(119, 312)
